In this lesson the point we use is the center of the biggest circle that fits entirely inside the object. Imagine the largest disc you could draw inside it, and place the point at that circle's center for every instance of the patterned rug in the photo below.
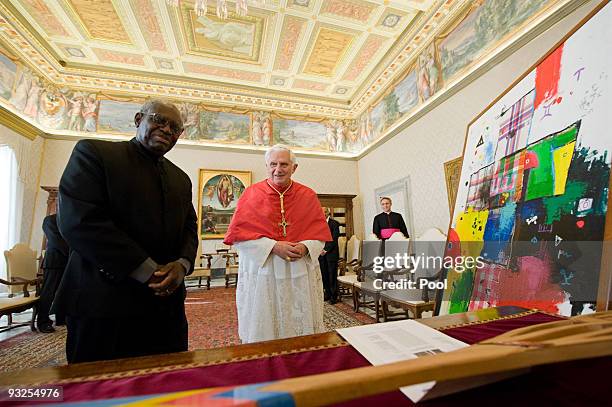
(212, 323)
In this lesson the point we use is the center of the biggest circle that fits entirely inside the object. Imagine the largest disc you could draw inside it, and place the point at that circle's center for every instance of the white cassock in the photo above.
(277, 298)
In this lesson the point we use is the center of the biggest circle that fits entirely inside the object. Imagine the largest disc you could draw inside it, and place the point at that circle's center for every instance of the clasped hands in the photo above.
(290, 251)
(167, 278)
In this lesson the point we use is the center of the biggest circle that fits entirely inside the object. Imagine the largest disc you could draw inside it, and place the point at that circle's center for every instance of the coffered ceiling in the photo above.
(314, 57)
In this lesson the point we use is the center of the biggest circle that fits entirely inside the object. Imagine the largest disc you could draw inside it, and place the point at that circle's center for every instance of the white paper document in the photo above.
(401, 340)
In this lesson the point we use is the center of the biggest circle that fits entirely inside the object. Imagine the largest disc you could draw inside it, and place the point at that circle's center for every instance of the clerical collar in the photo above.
(388, 213)
(283, 223)
(142, 150)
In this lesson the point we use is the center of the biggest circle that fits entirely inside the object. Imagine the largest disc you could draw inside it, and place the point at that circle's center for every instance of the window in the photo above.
(10, 203)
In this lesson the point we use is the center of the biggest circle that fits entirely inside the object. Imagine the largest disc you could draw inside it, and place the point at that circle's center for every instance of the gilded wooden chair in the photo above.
(413, 302)
(22, 269)
(346, 267)
(231, 269)
(200, 271)
(370, 281)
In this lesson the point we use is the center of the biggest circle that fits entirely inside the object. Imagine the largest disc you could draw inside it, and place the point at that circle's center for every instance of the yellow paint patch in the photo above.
(100, 19)
(327, 52)
(470, 227)
(562, 157)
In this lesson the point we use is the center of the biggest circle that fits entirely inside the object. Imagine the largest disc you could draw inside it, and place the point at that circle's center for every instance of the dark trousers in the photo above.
(52, 278)
(92, 339)
(329, 274)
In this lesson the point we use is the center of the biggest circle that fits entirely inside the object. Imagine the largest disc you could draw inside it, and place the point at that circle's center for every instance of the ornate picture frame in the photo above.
(218, 194)
(452, 174)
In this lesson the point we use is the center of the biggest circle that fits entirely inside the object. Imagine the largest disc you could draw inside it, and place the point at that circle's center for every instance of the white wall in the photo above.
(322, 175)
(420, 150)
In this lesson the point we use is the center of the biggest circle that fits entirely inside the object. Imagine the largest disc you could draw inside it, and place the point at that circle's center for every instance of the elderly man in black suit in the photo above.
(127, 215)
(328, 260)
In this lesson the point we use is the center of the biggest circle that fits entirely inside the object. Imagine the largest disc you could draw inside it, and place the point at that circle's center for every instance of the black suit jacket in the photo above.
(56, 253)
(331, 247)
(392, 220)
(118, 206)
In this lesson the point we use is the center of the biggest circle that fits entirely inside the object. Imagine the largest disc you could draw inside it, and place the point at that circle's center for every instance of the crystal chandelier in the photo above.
(201, 6)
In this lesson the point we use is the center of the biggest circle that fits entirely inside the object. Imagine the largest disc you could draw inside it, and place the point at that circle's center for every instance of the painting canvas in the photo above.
(219, 191)
(221, 127)
(117, 117)
(402, 99)
(235, 37)
(377, 121)
(486, 24)
(533, 192)
(8, 70)
(307, 135)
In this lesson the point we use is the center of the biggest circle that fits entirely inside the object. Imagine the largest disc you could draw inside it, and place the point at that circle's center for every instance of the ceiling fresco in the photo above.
(322, 53)
(341, 76)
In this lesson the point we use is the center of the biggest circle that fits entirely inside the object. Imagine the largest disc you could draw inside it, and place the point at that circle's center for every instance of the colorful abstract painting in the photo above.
(309, 135)
(533, 193)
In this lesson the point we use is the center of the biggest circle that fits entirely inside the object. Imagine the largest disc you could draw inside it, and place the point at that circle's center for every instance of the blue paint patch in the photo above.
(262, 397)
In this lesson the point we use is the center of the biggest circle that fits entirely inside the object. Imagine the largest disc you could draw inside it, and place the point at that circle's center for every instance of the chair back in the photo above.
(353, 249)
(372, 236)
(397, 236)
(342, 247)
(21, 263)
(429, 245)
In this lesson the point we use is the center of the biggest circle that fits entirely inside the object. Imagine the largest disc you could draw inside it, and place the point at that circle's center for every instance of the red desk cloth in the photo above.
(573, 382)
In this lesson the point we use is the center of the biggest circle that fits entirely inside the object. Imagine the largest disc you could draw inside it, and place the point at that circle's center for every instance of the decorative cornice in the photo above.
(19, 125)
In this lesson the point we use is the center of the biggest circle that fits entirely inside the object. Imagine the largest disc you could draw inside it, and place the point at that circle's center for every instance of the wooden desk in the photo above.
(273, 360)
(131, 366)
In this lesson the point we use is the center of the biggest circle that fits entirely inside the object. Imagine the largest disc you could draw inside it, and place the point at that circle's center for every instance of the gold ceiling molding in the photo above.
(20, 126)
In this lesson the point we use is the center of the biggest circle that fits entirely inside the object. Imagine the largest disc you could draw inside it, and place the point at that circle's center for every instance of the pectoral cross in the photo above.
(283, 224)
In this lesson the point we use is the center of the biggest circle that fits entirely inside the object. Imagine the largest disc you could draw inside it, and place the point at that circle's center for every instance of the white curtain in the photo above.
(11, 202)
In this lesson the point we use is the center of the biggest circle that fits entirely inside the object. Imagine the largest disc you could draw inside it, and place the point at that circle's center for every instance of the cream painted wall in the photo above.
(322, 175)
(420, 150)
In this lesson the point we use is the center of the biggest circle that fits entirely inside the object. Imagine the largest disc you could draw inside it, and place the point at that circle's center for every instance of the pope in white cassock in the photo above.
(279, 231)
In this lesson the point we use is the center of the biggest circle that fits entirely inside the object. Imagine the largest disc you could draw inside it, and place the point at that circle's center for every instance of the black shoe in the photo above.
(46, 328)
(333, 301)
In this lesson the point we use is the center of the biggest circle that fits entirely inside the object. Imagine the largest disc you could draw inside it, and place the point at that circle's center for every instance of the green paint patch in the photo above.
(541, 181)
(557, 206)
(461, 292)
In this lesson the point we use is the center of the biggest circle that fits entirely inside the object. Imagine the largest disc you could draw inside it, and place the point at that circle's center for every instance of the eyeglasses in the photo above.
(162, 121)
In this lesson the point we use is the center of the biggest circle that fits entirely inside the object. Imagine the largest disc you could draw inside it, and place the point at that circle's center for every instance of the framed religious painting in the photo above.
(218, 194)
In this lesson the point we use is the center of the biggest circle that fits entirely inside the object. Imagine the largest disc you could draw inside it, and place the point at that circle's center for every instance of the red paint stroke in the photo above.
(453, 245)
(548, 74)
(531, 160)
(530, 287)
(580, 224)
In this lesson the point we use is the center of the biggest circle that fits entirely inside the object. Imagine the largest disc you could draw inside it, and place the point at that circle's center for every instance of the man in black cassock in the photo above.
(127, 215)
(54, 262)
(328, 260)
(387, 222)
